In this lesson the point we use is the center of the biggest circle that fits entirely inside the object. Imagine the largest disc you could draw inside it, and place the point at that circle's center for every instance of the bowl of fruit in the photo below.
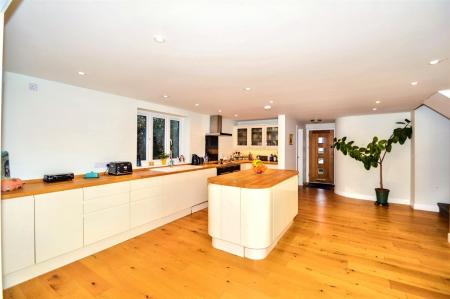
(259, 167)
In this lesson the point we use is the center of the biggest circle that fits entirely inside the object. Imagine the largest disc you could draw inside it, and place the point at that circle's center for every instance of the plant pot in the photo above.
(163, 161)
(382, 196)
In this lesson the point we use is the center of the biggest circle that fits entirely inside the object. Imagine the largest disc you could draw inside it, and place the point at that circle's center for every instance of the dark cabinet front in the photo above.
(256, 136)
(242, 136)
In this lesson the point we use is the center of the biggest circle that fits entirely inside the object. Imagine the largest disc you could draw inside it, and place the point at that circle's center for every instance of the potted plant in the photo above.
(163, 158)
(374, 153)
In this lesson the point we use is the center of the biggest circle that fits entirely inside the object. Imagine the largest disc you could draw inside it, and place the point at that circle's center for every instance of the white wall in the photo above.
(352, 179)
(63, 128)
(430, 177)
(287, 154)
(312, 127)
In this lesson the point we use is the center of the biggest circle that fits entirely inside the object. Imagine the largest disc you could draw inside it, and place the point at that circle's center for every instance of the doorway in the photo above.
(321, 157)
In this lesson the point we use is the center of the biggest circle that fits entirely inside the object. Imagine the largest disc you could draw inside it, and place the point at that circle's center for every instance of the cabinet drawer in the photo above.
(141, 194)
(105, 190)
(58, 223)
(106, 223)
(17, 233)
(147, 210)
(105, 202)
(150, 183)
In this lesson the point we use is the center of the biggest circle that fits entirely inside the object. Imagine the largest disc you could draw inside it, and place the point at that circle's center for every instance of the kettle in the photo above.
(195, 160)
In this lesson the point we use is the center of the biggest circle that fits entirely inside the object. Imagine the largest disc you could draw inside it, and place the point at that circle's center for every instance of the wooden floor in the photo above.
(336, 248)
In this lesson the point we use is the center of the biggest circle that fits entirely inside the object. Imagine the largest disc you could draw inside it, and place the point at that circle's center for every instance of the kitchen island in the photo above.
(248, 213)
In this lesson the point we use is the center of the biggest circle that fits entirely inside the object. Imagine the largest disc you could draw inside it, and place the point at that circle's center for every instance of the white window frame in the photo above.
(149, 138)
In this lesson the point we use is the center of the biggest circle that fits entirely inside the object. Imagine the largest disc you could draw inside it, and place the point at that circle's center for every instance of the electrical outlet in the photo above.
(33, 86)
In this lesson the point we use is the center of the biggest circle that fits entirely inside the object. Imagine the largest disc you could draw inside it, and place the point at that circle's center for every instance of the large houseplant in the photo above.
(374, 153)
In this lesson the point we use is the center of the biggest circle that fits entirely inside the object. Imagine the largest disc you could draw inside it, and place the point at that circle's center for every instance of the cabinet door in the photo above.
(106, 223)
(17, 233)
(147, 201)
(242, 136)
(272, 136)
(59, 223)
(146, 210)
(256, 136)
(177, 192)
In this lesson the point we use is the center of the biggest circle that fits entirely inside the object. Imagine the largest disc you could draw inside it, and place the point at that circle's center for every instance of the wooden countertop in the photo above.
(37, 186)
(249, 179)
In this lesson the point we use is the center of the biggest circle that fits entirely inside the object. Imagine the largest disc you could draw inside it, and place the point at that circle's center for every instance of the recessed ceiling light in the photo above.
(414, 83)
(445, 92)
(196, 105)
(316, 120)
(159, 38)
(220, 110)
(435, 61)
(165, 96)
(374, 109)
(81, 73)
(377, 102)
(247, 88)
(267, 107)
(271, 102)
(235, 115)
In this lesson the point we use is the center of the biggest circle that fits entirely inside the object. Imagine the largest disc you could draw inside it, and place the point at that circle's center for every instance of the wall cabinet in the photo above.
(17, 233)
(58, 223)
(242, 136)
(272, 136)
(256, 136)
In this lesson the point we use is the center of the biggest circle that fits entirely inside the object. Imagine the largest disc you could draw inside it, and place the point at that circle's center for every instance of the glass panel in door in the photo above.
(159, 132)
(175, 138)
(272, 136)
(256, 136)
(242, 136)
(141, 137)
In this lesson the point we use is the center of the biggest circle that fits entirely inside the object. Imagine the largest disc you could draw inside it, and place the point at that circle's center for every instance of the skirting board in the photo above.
(199, 207)
(426, 207)
(22, 275)
(371, 197)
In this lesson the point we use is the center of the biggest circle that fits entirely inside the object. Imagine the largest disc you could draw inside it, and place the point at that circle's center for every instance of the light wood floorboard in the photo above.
(337, 247)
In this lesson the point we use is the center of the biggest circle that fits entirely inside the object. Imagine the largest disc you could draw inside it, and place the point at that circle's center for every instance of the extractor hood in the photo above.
(215, 126)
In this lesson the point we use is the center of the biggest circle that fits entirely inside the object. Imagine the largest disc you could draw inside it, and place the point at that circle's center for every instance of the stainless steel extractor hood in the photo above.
(215, 126)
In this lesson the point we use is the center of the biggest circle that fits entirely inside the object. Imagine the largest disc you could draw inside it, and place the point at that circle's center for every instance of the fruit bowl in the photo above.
(259, 167)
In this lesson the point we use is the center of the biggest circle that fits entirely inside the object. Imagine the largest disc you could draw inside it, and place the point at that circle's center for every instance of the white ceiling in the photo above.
(321, 59)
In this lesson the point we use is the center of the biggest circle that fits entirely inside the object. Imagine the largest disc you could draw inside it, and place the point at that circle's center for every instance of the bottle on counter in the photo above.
(250, 156)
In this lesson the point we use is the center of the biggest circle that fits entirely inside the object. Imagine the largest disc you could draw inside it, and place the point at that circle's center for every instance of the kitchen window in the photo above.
(157, 134)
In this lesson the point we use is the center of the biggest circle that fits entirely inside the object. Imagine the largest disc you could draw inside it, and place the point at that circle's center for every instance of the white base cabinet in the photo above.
(44, 232)
(260, 217)
(17, 233)
(147, 201)
(58, 223)
(106, 211)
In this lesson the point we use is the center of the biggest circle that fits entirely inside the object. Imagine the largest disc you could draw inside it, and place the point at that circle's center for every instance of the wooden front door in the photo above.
(321, 156)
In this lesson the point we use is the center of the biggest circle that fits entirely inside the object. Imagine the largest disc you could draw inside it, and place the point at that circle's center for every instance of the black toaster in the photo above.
(119, 168)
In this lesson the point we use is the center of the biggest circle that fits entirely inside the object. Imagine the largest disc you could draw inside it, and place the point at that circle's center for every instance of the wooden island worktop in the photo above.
(248, 213)
(250, 179)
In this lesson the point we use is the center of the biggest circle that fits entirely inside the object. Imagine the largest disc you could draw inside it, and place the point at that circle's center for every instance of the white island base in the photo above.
(249, 222)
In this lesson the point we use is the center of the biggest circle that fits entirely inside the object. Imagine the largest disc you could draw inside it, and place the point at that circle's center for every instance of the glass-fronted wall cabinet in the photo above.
(242, 136)
(272, 136)
(257, 135)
